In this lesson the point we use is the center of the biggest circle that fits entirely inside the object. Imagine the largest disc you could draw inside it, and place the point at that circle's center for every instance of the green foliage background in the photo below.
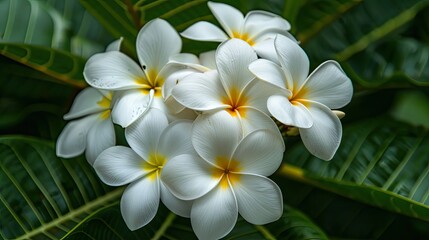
(376, 187)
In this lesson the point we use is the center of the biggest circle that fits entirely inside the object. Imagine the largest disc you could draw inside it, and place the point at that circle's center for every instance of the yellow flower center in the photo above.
(236, 103)
(243, 36)
(152, 81)
(300, 96)
(105, 103)
(227, 172)
(154, 165)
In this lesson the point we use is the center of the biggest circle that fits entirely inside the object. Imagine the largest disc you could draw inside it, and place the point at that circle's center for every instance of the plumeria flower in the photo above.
(257, 28)
(228, 178)
(232, 88)
(306, 102)
(140, 86)
(91, 130)
(153, 143)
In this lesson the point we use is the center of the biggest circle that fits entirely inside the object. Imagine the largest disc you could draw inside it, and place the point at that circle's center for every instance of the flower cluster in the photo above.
(200, 130)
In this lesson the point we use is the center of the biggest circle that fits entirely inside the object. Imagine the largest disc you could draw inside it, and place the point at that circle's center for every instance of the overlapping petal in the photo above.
(129, 106)
(259, 23)
(100, 137)
(200, 91)
(214, 215)
(72, 140)
(174, 204)
(259, 199)
(232, 59)
(260, 152)
(329, 85)
(208, 59)
(204, 31)
(176, 139)
(143, 135)
(112, 71)
(229, 17)
(323, 138)
(85, 103)
(269, 72)
(140, 201)
(157, 41)
(119, 165)
(216, 135)
(294, 62)
(296, 114)
(254, 120)
(188, 176)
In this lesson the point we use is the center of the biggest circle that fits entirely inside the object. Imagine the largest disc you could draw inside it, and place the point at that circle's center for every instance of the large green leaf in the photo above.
(59, 24)
(107, 223)
(381, 162)
(42, 196)
(343, 218)
(354, 36)
(60, 65)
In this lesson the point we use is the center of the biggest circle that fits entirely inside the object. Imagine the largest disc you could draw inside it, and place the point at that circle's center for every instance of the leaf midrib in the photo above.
(101, 201)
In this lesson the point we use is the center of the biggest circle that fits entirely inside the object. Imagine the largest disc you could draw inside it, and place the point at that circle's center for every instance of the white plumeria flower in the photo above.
(92, 130)
(232, 88)
(258, 28)
(229, 178)
(306, 102)
(140, 86)
(153, 143)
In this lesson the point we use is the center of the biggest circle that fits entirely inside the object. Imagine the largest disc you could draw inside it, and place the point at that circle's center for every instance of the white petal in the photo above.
(188, 176)
(85, 103)
(115, 45)
(204, 31)
(177, 206)
(329, 85)
(144, 134)
(230, 18)
(200, 91)
(216, 135)
(157, 41)
(296, 115)
(173, 73)
(324, 137)
(214, 215)
(176, 139)
(293, 60)
(208, 59)
(112, 71)
(129, 106)
(140, 202)
(266, 50)
(268, 71)
(255, 119)
(173, 105)
(259, 199)
(232, 59)
(260, 152)
(258, 92)
(72, 140)
(184, 58)
(257, 23)
(101, 136)
(119, 165)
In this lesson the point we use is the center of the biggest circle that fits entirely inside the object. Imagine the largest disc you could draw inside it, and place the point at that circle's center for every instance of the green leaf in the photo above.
(381, 162)
(107, 223)
(42, 196)
(59, 24)
(60, 65)
(344, 218)
(355, 38)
